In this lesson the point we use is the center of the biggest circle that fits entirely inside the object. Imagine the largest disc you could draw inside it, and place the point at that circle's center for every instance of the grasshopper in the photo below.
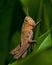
(26, 38)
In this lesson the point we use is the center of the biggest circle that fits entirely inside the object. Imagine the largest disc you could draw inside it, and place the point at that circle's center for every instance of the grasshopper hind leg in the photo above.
(15, 49)
(24, 54)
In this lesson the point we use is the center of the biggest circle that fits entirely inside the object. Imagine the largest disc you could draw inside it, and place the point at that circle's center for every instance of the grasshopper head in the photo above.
(30, 21)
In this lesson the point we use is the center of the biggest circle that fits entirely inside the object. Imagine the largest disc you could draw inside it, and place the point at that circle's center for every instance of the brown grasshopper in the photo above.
(26, 38)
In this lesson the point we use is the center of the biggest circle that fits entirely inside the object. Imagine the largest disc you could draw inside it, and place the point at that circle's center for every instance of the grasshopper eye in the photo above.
(26, 20)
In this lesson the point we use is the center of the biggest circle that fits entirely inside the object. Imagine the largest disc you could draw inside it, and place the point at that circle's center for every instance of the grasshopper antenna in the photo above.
(27, 12)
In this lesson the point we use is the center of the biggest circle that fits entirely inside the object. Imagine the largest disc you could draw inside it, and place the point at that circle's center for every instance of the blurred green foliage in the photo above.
(12, 14)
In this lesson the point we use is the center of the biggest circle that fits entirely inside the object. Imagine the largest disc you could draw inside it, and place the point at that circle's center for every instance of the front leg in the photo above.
(32, 41)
